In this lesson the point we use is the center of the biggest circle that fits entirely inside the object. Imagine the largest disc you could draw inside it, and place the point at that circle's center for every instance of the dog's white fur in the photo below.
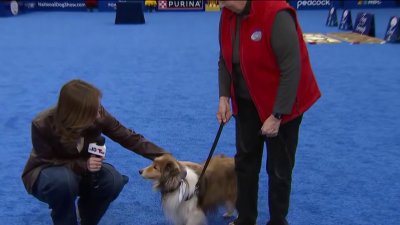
(216, 188)
(184, 212)
(179, 212)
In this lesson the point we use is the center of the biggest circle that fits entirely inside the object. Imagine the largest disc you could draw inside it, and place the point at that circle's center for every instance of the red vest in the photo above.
(259, 65)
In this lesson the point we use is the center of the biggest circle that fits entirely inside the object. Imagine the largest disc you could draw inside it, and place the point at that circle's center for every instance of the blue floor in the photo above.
(161, 80)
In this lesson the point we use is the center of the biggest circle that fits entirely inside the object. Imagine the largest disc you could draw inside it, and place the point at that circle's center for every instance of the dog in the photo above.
(182, 203)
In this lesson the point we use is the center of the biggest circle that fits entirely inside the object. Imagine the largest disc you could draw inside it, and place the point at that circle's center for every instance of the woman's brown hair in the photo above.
(77, 108)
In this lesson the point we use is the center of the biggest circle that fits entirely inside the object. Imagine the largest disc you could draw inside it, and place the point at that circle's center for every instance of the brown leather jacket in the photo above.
(49, 151)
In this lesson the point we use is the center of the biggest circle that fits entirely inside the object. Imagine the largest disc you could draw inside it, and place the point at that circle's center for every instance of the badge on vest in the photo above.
(256, 36)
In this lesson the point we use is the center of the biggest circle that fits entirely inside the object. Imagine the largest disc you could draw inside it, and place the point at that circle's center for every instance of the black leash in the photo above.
(210, 155)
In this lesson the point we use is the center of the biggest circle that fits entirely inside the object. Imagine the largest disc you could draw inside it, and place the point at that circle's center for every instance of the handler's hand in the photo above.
(224, 110)
(270, 128)
(94, 163)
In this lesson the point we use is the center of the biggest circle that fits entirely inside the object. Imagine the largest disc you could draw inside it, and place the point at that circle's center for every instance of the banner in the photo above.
(369, 4)
(332, 20)
(346, 4)
(190, 5)
(365, 24)
(314, 4)
(346, 23)
(67, 5)
(393, 30)
(4, 9)
(10, 8)
(110, 5)
(29, 5)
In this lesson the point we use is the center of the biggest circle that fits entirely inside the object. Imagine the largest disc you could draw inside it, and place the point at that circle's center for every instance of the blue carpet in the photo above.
(161, 80)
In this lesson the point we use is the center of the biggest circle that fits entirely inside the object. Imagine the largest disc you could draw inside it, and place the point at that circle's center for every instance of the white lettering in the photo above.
(185, 4)
(390, 32)
(361, 29)
(112, 4)
(374, 2)
(363, 20)
(362, 24)
(313, 3)
(61, 4)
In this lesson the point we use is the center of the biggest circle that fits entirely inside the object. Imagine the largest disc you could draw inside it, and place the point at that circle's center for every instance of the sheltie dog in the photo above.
(182, 202)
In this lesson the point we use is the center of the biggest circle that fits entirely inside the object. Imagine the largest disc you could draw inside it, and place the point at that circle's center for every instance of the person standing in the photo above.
(265, 72)
(60, 168)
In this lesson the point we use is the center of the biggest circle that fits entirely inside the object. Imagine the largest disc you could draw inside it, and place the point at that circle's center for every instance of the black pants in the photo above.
(280, 162)
(59, 187)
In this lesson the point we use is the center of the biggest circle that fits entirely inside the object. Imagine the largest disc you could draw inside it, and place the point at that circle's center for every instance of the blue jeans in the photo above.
(59, 187)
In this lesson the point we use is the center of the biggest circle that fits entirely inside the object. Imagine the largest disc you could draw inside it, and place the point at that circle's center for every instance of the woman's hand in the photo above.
(270, 128)
(94, 163)
(224, 110)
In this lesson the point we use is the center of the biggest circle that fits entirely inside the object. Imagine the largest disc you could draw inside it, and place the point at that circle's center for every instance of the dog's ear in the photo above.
(170, 177)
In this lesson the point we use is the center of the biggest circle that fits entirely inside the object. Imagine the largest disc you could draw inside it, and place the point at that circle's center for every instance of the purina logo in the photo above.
(179, 5)
(313, 3)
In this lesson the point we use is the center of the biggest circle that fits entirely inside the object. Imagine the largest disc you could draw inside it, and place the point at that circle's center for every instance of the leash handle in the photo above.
(210, 154)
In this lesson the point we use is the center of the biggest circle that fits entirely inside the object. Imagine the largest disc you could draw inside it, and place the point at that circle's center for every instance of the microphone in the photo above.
(98, 149)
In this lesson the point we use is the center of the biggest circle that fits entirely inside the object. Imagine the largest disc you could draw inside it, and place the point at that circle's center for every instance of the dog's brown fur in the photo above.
(169, 175)
(165, 170)
(217, 187)
(218, 184)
